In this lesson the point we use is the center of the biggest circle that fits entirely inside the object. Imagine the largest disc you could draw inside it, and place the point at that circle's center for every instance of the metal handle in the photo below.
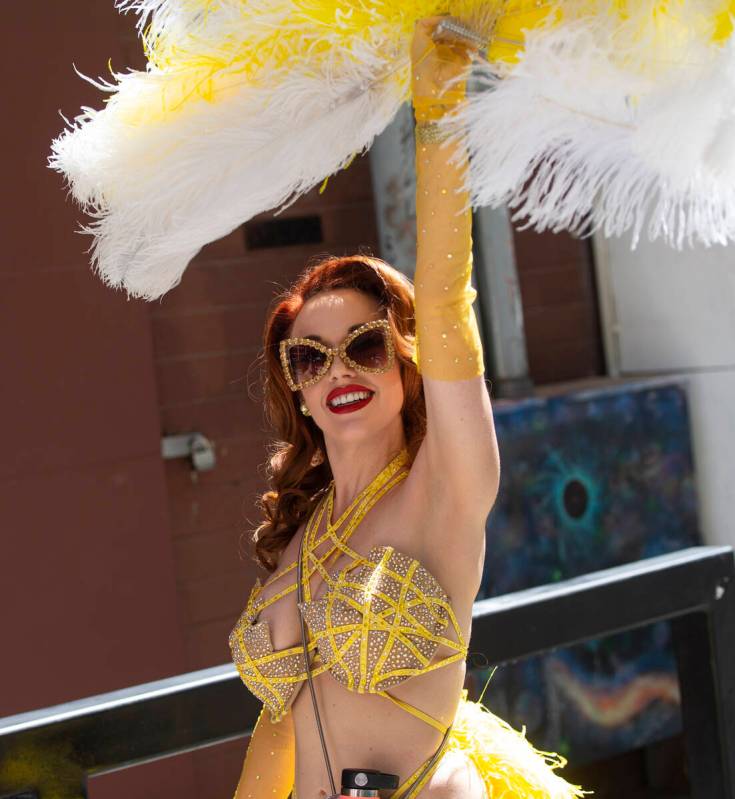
(452, 28)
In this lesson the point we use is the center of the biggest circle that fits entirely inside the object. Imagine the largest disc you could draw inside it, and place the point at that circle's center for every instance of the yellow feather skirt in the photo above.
(510, 767)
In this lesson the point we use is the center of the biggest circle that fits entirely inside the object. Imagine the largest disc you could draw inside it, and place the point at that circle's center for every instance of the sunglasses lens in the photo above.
(305, 362)
(369, 349)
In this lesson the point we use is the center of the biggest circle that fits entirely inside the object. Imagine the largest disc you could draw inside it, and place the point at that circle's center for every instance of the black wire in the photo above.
(300, 598)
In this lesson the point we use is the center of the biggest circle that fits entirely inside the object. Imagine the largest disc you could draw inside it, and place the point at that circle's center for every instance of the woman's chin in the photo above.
(352, 431)
(361, 428)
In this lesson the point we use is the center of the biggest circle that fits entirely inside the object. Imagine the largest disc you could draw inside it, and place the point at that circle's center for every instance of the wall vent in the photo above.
(289, 232)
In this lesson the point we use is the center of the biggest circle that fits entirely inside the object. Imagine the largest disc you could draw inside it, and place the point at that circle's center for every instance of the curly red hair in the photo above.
(294, 483)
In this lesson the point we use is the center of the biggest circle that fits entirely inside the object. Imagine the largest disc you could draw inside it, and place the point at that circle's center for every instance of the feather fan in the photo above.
(612, 124)
(594, 114)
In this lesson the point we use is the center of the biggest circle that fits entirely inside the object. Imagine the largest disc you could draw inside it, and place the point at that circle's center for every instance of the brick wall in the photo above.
(559, 307)
(87, 586)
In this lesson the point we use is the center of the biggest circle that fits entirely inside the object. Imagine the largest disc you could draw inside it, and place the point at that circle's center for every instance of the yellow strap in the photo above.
(408, 788)
(413, 710)
(393, 628)
(364, 501)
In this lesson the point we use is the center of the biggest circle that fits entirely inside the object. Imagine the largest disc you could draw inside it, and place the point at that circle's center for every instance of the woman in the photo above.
(388, 469)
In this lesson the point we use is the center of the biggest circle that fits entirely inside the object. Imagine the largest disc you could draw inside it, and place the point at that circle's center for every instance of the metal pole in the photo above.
(394, 190)
(501, 317)
(705, 650)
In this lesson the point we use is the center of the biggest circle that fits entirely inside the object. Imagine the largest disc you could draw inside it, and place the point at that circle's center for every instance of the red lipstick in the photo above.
(350, 406)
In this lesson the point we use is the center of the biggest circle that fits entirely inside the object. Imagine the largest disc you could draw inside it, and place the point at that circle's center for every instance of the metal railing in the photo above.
(693, 588)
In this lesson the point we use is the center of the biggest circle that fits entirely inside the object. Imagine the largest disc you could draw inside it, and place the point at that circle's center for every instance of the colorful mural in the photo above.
(590, 480)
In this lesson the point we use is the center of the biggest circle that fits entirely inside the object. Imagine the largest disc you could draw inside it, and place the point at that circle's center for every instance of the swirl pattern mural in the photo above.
(591, 480)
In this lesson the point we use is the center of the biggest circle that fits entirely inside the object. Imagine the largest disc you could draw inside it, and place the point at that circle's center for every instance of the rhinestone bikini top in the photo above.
(379, 623)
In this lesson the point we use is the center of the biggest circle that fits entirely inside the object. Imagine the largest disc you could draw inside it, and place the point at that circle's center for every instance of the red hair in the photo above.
(294, 483)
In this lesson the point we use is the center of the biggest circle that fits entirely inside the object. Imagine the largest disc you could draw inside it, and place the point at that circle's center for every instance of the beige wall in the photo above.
(670, 312)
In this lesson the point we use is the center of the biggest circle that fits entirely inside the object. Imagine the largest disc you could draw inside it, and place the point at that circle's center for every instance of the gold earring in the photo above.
(317, 458)
(305, 410)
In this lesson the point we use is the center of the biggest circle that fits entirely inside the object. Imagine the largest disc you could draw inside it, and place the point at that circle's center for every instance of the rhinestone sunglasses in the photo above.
(369, 348)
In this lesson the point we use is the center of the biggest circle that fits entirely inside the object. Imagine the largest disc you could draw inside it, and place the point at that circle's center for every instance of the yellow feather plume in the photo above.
(507, 762)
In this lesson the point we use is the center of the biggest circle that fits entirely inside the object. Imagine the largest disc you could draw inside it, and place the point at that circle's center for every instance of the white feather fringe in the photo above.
(161, 192)
(584, 137)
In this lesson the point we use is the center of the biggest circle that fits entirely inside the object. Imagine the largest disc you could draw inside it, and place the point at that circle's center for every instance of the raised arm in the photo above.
(458, 459)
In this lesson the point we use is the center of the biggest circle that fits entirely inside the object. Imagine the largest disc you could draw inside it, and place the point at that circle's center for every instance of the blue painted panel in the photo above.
(588, 481)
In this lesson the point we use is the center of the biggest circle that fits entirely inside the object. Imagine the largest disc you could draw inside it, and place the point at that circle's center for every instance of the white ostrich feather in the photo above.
(585, 136)
(159, 192)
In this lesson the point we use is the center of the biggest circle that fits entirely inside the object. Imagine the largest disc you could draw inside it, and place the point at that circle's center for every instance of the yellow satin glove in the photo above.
(269, 769)
(448, 344)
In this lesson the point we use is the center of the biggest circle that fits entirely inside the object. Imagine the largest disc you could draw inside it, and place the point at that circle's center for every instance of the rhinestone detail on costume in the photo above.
(381, 622)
